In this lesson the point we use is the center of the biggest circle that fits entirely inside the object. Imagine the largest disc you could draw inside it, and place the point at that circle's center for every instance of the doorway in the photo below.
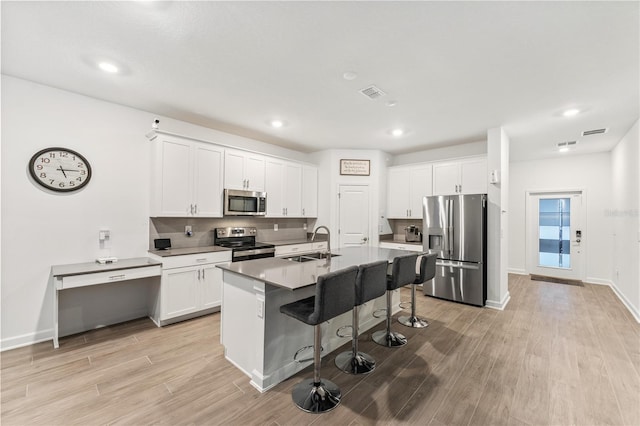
(555, 234)
(353, 215)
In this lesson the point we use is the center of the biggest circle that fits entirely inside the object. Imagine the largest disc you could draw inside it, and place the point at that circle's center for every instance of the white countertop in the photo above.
(293, 275)
(94, 267)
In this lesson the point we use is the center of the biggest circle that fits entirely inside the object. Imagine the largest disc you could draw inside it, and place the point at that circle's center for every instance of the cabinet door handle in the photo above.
(201, 260)
(303, 212)
(116, 277)
(247, 183)
(203, 274)
(195, 208)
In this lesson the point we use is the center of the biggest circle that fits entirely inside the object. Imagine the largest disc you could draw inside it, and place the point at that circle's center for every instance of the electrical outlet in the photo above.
(188, 231)
(275, 226)
(304, 226)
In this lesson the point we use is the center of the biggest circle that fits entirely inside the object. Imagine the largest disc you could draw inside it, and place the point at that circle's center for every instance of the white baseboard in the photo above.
(626, 303)
(598, 281)
(26, 339)
(499, 305)
(517, 271)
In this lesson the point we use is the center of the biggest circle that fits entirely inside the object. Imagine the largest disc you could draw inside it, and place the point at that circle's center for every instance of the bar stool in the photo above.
(403, 273)
(427, 272)
(371, 283)
(335, 295)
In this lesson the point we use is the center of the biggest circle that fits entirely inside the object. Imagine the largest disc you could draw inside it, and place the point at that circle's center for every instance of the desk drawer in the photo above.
(110, 276)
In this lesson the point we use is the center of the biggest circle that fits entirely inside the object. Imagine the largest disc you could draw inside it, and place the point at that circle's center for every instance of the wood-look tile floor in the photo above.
(558, 355)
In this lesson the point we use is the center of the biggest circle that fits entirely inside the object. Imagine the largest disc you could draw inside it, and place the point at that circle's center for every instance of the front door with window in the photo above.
(555, 234)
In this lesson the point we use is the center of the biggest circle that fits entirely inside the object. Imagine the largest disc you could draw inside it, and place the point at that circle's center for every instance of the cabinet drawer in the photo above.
(319, 246)
(292, 249)
(110, 276)
(195, 259)
(400, 246)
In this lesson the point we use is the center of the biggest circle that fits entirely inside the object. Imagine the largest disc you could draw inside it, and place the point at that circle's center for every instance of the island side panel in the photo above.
(241, 326)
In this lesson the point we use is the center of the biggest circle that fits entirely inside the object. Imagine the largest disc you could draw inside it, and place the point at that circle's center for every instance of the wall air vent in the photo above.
(372, 92)
(594, 132)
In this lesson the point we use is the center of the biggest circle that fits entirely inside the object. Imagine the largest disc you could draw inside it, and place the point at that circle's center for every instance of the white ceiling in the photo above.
(454, 68)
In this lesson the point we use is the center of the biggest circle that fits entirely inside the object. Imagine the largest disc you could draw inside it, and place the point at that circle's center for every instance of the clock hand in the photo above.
(62, 170)
(68, 170)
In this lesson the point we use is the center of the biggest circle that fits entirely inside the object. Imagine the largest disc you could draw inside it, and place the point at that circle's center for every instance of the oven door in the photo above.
(244, 203)
(244, 254)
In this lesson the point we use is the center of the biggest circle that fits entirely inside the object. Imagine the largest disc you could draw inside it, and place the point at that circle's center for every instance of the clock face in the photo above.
(60, 169)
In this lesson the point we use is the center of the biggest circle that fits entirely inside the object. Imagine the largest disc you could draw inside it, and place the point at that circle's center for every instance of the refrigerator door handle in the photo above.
(449, 225)
(459, 265)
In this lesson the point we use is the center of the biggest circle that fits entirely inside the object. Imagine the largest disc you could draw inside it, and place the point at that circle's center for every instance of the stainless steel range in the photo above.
(243, 242)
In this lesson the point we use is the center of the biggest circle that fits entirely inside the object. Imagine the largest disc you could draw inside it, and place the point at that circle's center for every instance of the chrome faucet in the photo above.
(313, 237)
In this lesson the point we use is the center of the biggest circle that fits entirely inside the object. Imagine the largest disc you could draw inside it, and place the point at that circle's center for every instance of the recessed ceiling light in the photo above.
(108, 67)
(350, 75)
(571, 112)
(392, 103)
(277, 123)
(564, 149)
(397, 132)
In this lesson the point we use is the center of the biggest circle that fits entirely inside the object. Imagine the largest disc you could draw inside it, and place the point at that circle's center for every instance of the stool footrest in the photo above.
(344, 327)
(379, 313)
(304, 348)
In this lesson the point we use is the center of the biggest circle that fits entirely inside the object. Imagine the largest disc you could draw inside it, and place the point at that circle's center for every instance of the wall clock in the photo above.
(60, 169)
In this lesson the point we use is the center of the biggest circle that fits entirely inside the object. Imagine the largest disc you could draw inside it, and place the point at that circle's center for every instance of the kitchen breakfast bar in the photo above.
(260, 340)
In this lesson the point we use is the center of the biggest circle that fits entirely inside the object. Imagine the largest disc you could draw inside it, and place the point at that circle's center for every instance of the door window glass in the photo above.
(554, 226)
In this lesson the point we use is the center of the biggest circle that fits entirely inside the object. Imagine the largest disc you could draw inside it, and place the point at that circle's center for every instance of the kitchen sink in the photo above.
(308, 257)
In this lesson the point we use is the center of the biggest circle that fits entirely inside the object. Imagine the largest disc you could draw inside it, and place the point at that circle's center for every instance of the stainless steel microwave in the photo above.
(244, 203)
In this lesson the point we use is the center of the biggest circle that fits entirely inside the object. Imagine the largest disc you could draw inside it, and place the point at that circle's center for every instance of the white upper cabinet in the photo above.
(309, 191)
(406, 186)
(187, 178)
(283, 183)
(244, 170)
(461, 177)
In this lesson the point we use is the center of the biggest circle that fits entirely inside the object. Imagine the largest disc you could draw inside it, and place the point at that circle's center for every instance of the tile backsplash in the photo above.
(398, 225)
(202, 228)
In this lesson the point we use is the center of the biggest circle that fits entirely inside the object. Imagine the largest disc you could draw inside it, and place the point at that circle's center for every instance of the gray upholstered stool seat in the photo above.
(335, 295)
(403, 273)
(371, 283)
(427, 272)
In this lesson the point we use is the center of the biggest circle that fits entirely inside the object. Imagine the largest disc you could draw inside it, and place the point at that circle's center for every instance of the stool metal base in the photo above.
(360, 364)
(390, 340)
(316, 398)
(413, 321)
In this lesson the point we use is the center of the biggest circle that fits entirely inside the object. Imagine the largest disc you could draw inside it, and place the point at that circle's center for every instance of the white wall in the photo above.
(624, 217)
(40, 229)
(329, 179)
(588, 172)
(498, 220)
(443, 153)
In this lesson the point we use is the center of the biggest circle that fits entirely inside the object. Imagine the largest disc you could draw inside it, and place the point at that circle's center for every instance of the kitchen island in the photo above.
(261, 341)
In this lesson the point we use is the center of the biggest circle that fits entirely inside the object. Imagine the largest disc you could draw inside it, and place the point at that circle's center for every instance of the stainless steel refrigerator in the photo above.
(455, 227)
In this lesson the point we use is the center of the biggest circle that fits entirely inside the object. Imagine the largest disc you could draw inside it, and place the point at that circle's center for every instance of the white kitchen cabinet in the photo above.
(289, 249)
(283, 183)
(191, 285)
(244, 170)
(186, 178)
(406, 187)
(309, 191)
(401, 246)
(460, 177)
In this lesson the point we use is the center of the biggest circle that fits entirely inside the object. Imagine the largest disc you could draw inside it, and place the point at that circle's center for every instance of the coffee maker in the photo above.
(412, 234)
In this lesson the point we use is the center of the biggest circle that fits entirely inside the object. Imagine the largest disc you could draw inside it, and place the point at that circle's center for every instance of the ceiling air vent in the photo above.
(372, 92)
(568, 144)
(594, 132)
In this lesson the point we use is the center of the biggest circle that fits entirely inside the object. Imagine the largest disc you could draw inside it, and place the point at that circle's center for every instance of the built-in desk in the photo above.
(92, 273)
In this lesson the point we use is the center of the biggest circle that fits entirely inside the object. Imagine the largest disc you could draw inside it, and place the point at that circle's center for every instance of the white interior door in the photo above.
(353, 227)
(555, 236)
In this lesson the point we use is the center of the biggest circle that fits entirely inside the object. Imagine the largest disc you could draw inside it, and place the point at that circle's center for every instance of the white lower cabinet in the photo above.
(288, 249)
(191, 285)
(401, 246)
